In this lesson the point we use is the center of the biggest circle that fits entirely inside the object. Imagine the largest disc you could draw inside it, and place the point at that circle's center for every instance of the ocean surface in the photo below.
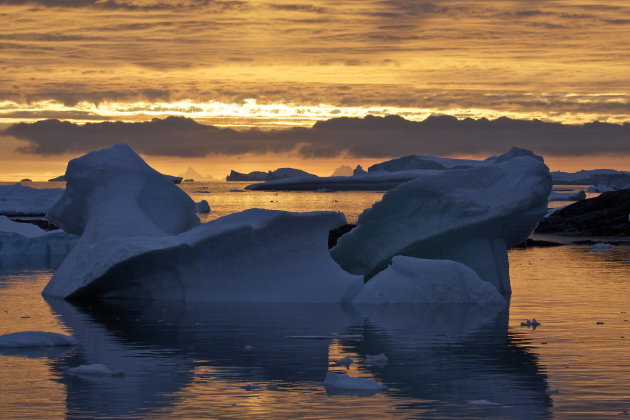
(256, 361)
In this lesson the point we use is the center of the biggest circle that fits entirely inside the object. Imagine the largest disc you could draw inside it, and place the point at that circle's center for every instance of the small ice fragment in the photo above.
(237, 190)
(527, 323)
(483, 402)
(599, 323)
(96, 369)
(376, 359)
(340, 384)
(601, 246)
(535, 323)
(271, 387)
(250, 387)
(36, 339)
(346, 361)
(203, 207)
(550, 391)
(248, 348)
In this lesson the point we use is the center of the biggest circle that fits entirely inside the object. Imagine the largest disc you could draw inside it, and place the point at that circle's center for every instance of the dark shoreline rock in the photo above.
(605, 215)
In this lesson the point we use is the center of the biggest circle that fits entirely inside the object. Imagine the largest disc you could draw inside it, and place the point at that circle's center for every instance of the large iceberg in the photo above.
(280, 173)
(467, 215)
(19, 200)
(137, 242)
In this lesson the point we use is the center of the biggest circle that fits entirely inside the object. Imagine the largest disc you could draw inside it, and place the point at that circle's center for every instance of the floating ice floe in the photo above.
(26, 339)
(601, 246)
(27, 242)
(340, 384)
(95, 369)
(416, 281)
(19, 200)
(376, 359)
(483, 402)
(136, 242)
(567, 196)
(467, 215)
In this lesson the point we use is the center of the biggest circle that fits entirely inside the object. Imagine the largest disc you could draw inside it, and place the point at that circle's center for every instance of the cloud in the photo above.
(132, 5)
(373, 137)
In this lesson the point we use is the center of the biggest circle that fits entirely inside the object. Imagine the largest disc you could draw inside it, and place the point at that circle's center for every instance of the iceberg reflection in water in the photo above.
(213, 360)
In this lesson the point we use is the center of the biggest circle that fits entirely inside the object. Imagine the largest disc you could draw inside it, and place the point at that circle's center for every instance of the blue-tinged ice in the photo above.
(467, 215)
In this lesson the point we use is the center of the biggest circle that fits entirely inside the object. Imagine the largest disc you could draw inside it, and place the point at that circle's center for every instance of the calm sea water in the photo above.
(209, 360)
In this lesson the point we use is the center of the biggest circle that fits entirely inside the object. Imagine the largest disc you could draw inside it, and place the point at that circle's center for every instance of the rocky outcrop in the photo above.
(605, 215)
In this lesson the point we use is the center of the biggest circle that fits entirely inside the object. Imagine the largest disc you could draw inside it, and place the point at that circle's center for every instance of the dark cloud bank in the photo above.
(372, 137)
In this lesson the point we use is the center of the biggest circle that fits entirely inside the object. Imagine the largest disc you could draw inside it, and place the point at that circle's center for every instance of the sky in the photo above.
(256, 85)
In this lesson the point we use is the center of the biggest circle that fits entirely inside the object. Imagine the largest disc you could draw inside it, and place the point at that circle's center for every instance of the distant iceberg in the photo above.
(280, 173)
(567, 196)
(19, 200)
(387, 175)
(27, 244)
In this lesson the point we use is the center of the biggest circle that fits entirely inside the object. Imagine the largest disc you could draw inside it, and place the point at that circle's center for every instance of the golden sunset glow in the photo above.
(281, 64)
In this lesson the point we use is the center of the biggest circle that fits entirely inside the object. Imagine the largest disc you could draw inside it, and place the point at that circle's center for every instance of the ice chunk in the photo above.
(28, 230)
(114, 193)
(600, 189)
(18, 200)
(359, 171)
(26, 339)
(567, 196)
(601, 246)
(340, 384)
(467, 215)
(203, 207)
(414, 280)
(27, 244)
(95, 369)
(376, 359)
(483, 402)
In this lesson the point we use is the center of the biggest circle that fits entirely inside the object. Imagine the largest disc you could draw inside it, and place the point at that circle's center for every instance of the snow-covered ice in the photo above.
(467, 215)
(416, 281)
(19, 200)
(340, 384)
(25, 339)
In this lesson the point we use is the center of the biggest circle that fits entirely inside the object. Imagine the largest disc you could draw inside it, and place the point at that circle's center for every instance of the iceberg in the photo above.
(471, 216)
(340, 384)
(387, 175)
(27, 339)
(280, 173)
(567, 196)
(94, 369)
(28, 244)
(19, 200)
(141, 239)
(417, 281)
(203, 207)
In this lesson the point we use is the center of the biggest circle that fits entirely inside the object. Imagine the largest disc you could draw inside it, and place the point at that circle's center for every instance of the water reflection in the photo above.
(178, 359)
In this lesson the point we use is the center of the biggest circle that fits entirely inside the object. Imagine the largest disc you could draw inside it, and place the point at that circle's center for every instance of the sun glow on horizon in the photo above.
(252, 114)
